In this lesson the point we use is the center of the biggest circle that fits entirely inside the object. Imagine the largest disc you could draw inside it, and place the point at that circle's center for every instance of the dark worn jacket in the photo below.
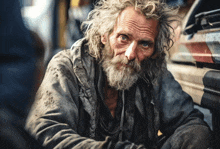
(66, 112)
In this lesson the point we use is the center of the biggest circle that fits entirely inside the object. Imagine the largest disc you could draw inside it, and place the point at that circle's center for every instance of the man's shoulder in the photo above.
(79, 43)
(75, 60)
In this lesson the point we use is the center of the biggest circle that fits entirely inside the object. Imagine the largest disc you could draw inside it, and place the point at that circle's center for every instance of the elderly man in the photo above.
(112, 88)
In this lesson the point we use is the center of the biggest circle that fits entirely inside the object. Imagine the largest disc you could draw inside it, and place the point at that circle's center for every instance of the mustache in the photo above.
(138, 67)
(134, 64)
(114, 60)
(124, 60)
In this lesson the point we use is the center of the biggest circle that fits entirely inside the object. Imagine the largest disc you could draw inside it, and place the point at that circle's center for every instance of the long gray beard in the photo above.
(120, 78)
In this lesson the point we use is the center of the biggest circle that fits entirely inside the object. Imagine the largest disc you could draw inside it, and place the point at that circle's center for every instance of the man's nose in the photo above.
(131, 51)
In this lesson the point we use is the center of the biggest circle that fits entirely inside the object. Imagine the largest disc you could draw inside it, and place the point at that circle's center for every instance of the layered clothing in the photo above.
(70, 110)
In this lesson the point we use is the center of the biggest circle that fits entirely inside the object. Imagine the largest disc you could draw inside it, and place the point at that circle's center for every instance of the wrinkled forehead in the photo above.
(131, 19)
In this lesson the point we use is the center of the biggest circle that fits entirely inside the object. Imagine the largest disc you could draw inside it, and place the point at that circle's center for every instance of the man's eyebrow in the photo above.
(130, 35)
(146, 40)
(125, 33)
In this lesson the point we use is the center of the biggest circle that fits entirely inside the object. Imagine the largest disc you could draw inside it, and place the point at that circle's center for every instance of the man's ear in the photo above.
(104, 39)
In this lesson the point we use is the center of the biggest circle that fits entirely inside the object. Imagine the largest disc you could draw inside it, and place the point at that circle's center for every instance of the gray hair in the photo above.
(103, 17)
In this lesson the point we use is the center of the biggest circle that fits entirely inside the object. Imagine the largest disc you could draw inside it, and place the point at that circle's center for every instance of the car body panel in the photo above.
(201, 47)
(203, 84)
(194, 59)
(196, 54)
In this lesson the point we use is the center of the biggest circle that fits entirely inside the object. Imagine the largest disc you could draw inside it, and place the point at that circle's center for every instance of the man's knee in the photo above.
(190, 137)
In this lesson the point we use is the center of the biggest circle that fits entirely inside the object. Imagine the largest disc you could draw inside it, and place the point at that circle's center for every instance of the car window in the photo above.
(209, 19)
(204, 15)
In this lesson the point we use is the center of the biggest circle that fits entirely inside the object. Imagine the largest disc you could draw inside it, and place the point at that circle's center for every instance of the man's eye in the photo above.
(124, 38)
(145, 45)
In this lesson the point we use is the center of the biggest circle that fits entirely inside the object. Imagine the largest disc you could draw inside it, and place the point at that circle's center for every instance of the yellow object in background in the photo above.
(62, 23)
(74, 3)
(79, 3)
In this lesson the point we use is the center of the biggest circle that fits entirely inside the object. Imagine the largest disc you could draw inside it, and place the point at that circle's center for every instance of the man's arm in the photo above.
(53, 118)
(178, 116)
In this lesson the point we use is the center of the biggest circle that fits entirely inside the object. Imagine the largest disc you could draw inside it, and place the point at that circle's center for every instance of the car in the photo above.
(195, 58)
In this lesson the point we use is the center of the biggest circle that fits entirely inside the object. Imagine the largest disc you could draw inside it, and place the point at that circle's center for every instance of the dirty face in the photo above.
(133, 35)
(131, 42)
